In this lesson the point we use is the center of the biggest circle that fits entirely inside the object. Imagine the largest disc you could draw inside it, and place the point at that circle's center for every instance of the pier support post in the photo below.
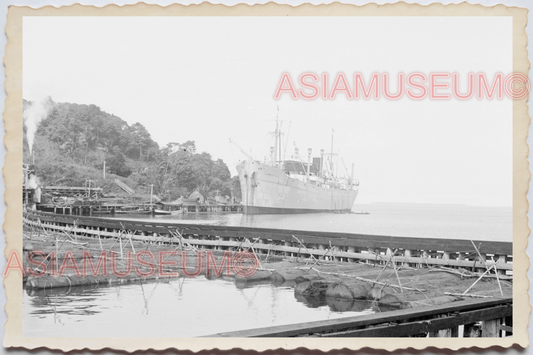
(490, 328)
(351, 250)
(372, 251)
(502, 260)
(508, 321)
(443, 333)
(388, 253)
(407, 255)
(454, 332)
(425, 255)
(471, 331)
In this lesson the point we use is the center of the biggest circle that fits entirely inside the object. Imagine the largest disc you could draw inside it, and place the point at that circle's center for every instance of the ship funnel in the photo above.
(309, 152)
(321, 161)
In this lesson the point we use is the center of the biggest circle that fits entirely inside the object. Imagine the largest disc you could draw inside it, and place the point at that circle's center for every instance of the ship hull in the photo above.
(268, 189)
(280, 210)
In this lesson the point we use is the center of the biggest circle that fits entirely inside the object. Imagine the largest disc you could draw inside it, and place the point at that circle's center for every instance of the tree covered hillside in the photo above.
(71, 143)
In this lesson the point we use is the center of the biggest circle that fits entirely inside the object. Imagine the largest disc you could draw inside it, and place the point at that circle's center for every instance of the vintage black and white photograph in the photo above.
(268, 176)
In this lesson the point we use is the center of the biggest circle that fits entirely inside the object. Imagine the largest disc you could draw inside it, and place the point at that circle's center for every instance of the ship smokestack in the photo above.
(321, 161)
(309, 151)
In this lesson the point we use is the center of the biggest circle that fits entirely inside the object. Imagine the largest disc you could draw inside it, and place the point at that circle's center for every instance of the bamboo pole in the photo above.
(386, 264)
(467, 295)
(486, 272)
(481, 258)
(396, 272)
(497, 278)
(335, 260)
(302, 244)
(323, 255)
(100, 240)
(257, 257)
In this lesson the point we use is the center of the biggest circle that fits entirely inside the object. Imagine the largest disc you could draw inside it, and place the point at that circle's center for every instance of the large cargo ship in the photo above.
(294, 186)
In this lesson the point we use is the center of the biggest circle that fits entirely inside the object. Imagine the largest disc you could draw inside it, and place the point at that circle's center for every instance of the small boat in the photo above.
(161, 212)
(102, 212)
(131, 210)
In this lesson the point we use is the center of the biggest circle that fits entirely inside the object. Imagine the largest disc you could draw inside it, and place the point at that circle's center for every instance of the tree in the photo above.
(74, 140)
(140, 141)
(117, 164)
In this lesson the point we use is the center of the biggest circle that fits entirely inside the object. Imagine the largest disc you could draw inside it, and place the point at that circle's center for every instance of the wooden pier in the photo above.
(375, 249)
(111, 209)
(470, 318)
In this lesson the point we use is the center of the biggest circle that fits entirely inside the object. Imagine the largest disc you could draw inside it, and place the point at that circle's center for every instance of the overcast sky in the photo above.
(209, 79)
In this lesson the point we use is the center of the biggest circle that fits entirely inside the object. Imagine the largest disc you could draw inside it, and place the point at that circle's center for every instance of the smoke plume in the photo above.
(33, 114)
(33, 182)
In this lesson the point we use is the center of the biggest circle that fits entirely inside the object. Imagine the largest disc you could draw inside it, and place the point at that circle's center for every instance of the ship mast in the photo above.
(331, 154)
(278, 136)
(277, 141)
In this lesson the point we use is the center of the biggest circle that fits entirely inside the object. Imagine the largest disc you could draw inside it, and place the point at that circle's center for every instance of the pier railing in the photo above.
(469, 318)
(475, 255)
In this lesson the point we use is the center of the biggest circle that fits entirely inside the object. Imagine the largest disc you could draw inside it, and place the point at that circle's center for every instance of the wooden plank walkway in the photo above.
(308, 237)
(372, 248)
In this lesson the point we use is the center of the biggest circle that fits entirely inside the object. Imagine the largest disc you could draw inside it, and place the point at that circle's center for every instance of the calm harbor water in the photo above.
(403, 220)
(195, 307)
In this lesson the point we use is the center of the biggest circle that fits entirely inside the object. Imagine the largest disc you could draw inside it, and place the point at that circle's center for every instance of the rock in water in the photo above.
(302, 287)
(378, 292)
(315, 288)
(310, 301)
(300, 279)
(257, 276)
(305, 278)
(340, 291)
(360, 291)
(360, 305)
(277, 278)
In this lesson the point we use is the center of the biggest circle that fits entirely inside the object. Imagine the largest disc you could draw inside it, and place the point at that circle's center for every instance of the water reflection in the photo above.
(340, 305)
(310, 301)
(61, 301)
(203, 307)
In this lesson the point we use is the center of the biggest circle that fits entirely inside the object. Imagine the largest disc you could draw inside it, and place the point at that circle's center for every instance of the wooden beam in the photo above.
(469, 311)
